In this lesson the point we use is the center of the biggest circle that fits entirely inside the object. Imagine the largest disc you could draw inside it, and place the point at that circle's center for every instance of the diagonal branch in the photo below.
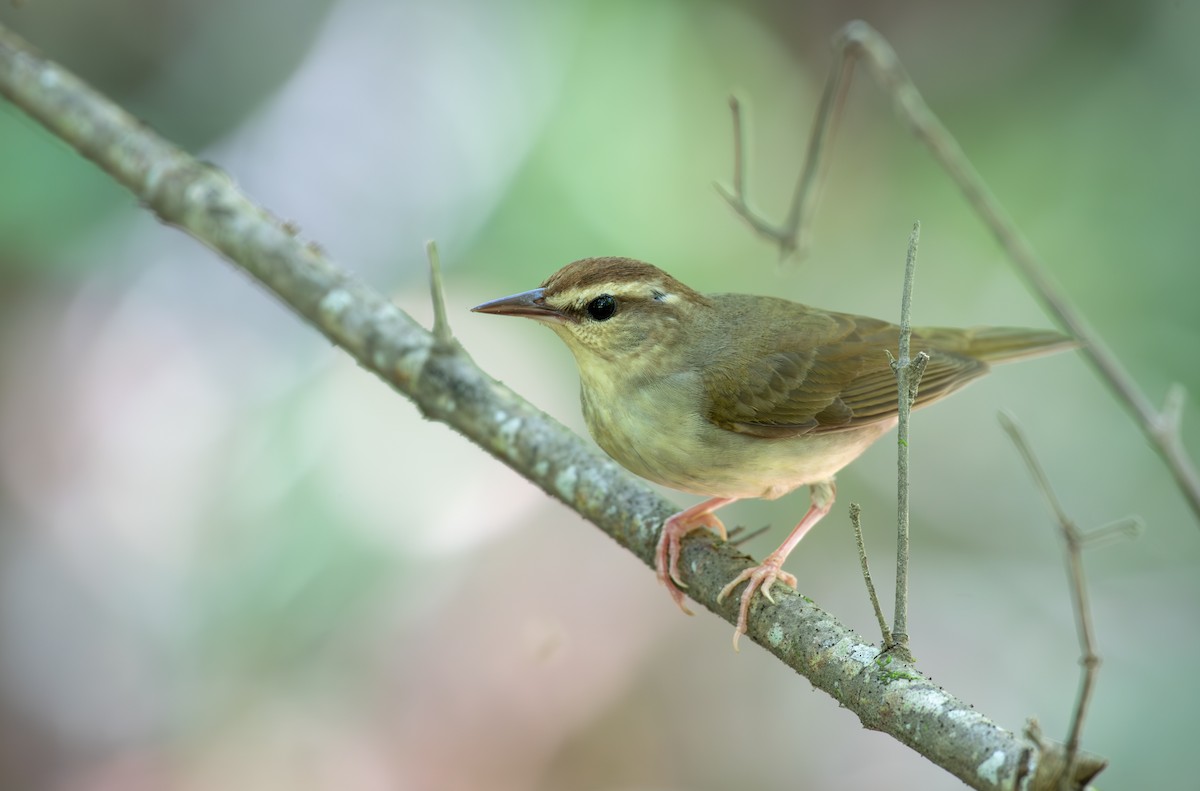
(447, 386)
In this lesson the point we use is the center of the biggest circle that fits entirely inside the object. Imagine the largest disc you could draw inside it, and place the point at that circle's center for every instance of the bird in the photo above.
(740, 396)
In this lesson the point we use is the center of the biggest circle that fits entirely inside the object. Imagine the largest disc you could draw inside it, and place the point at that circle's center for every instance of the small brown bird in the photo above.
(734, 396)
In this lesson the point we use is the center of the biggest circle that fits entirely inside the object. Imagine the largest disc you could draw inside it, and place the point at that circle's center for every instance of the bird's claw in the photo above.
(761, 577)
(666, 555)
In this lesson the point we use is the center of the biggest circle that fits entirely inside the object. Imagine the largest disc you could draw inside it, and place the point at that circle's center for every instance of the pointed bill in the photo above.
(530, 304)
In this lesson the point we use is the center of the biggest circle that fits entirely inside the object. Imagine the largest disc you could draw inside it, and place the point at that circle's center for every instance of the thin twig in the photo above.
(1123, 529)
(856, 520)
(1089, 660)
(442, 334)
(908, 373)
(1075, 540)
(737, 196)
(860, 40)
(740, 150)
(738, 536)
(910, 272)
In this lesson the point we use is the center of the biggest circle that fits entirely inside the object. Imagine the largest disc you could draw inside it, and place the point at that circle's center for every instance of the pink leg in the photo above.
(762, 577)
(666, 558)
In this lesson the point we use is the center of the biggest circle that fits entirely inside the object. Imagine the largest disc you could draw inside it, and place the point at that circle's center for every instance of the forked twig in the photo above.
(794, 235)
(1076, 541)
(859, 40)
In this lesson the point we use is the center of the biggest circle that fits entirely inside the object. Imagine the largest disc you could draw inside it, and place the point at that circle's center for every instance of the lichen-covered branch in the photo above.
(887, 695)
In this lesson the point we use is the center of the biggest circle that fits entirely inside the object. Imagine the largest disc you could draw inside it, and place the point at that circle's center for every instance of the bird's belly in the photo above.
(693, 455)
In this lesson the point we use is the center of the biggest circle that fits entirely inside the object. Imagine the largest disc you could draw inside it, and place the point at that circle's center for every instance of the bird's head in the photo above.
(609, 311)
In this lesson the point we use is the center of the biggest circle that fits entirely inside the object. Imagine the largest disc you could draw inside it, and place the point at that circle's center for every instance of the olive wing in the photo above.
(826, 372)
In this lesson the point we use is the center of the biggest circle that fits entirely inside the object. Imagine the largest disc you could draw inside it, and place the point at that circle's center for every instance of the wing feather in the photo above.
(828, 372)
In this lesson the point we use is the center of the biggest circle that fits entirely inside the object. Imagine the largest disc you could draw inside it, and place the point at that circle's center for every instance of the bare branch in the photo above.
(1075, 541)
(1125, 528)
(447, 386)
(856, 521)
(739, 536)
(908, 373)
(443, 336)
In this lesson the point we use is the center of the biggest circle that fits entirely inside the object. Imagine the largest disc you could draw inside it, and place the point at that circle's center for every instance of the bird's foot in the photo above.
(666, 557)
(760, 577)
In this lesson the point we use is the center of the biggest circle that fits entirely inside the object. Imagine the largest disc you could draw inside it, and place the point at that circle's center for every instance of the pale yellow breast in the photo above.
(654, 428)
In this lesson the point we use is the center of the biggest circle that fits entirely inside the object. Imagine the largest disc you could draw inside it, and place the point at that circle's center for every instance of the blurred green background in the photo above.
(229, 558)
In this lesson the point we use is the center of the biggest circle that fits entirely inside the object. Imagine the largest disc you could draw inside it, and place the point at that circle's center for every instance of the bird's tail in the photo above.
(995, 344)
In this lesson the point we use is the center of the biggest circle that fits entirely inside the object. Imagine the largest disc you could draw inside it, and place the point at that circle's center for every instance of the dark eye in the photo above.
(602, 307)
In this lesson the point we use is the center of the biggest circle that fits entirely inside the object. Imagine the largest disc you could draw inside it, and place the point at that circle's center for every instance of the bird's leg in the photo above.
(763, 576)
(666, 557)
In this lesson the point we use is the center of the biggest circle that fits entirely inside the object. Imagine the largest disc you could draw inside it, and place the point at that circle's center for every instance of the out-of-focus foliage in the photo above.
(231, 559)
